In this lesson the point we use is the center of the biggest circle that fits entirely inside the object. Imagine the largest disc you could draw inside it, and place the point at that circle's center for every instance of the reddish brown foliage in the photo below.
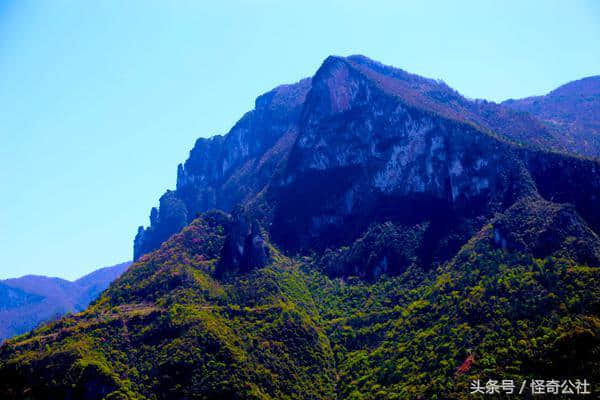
(466, 365)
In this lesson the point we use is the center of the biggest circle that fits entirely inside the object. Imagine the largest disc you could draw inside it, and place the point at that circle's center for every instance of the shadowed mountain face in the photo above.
(361, 142)
(30, 300)
(362, 234)
(573, 110)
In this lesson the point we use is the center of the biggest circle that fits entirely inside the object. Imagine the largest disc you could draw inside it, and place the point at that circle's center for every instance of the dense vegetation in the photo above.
(168, 329)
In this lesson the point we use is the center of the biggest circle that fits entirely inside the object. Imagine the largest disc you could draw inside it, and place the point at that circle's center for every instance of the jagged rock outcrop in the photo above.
(244, 248)
(169, 218)
(318, 162)
(225, 170)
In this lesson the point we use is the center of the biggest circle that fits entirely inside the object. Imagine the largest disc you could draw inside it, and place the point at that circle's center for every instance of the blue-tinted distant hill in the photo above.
(27, 301)
(573, 110)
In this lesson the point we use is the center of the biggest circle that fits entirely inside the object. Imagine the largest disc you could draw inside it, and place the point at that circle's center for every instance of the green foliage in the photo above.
(169, 329)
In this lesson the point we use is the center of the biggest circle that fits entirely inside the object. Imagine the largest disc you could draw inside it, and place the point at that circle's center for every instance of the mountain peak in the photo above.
(388, 70)
(345, 116)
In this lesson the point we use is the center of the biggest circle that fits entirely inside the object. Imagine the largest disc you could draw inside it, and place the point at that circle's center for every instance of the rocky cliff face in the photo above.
(360, 143)
(225, 170)
(372, 157)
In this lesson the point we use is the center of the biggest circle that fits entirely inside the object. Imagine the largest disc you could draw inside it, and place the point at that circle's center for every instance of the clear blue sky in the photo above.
(99, 100)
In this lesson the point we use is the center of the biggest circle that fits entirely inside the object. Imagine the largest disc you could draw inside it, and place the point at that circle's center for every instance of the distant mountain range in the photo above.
(365, 233)
(27, 301)
(573, 110)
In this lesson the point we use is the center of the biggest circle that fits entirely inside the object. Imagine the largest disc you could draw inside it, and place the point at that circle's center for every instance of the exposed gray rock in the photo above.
(318, 162)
